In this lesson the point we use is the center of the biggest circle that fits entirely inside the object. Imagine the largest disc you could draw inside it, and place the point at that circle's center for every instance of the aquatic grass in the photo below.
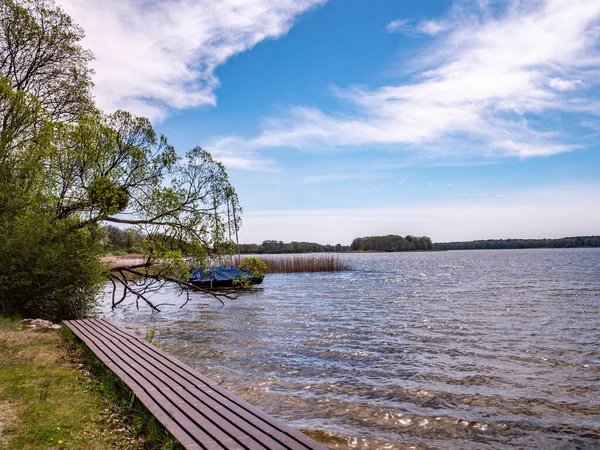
(119, 260)
(280, 263)
(295, 263)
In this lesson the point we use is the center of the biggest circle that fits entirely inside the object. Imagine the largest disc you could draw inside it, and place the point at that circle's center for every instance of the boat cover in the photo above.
(219, 274)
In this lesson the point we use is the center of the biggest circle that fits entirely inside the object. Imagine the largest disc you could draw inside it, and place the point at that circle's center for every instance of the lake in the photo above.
(460, 349)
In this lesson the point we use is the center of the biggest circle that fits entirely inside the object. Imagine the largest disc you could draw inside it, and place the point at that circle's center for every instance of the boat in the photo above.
(222, 277)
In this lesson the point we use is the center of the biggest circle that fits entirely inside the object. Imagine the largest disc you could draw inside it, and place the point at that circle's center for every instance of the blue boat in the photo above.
(221, 277)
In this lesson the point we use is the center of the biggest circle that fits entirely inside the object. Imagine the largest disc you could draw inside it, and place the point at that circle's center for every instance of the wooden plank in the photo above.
(160, 355)
(195, 409)
(170, 398)
(198, 398)
(147, 400)
(258, 418)
(268, 445)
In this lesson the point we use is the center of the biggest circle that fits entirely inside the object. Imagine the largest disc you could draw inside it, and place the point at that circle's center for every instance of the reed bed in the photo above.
(123, 260)
(280, 263)
(303, 263)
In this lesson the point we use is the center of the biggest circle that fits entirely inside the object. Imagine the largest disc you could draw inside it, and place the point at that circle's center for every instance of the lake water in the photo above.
(462, 349)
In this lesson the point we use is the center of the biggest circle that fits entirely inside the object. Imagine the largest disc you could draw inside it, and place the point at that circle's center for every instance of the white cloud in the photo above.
(525, 150)
(153, 56)
(561, 84)
(245, 161)
(429, 27)
(397, 25)
(433, 27)
(564, 211)
(486, 85)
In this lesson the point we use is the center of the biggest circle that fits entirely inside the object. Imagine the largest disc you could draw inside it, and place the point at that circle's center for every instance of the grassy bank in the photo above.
(54, 395)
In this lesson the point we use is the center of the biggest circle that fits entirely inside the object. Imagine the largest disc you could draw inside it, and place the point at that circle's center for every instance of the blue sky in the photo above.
(343, 118)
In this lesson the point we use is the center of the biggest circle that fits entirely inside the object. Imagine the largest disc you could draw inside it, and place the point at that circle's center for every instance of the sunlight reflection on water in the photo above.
(472, 349)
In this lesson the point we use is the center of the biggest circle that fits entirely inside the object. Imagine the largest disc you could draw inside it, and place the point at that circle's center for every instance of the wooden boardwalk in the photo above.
(194, 408)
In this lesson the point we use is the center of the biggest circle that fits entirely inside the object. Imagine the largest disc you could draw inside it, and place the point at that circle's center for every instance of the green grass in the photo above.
(54, 395)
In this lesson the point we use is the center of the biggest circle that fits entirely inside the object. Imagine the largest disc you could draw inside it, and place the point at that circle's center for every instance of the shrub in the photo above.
(254, 265)
(47, 272)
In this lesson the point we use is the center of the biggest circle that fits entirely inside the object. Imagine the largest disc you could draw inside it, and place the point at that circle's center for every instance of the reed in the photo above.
(303, 263)
(121, 260)
(280, 263)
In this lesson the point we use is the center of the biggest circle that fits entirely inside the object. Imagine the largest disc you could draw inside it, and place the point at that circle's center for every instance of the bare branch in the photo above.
(184, 284)
(115, 304)
(142, 296)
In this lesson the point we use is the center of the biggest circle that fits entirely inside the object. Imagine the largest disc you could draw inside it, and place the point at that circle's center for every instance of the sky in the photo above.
(458, 120)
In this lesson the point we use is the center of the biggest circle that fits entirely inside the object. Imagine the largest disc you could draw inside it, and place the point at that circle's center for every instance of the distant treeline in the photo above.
(566, 242)
(118, 241)
(128, 240)
(122, 240)
(391, 243)
(272, 247)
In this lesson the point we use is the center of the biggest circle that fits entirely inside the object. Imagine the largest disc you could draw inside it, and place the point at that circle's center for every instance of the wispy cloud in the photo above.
(156, 56)
(433, 27)
(245, 161)
(397, 25)
(564, 85)
(429, 27)
(491, 79)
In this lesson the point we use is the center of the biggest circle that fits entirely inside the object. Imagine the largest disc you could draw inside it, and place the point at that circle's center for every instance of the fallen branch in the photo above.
(144, 281)
(139, 295)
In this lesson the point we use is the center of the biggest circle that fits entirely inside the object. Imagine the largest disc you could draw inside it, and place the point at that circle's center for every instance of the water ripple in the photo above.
(480, 349)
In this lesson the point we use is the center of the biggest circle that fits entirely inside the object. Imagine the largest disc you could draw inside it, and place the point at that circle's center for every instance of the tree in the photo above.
(256, 267)
(356, 244)
(392, 243)
(114, 168)
(67, 168)
(48, 268)
(40, 54)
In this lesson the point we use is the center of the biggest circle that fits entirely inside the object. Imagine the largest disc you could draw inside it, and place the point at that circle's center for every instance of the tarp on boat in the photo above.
(221, 277)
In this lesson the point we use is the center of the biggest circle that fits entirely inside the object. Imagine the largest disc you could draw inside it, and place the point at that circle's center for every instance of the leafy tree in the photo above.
(122, 240)
(391, 243)
(356, 244)
(46, 270)
(40, 54)
(254, 265)
(66, 168)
